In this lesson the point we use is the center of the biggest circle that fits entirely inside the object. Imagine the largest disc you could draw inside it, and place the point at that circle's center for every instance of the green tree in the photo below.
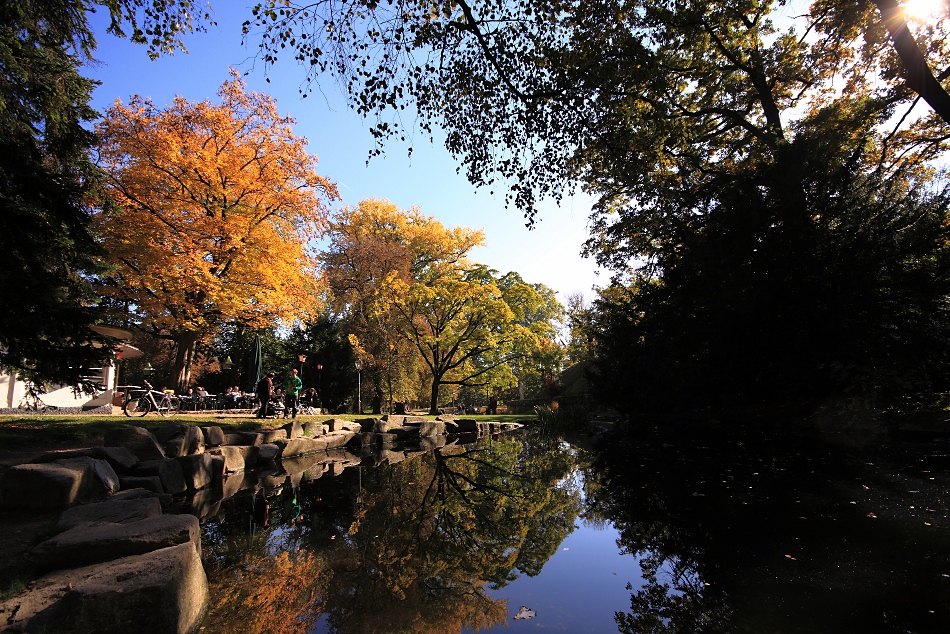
(47, 250)
(45, 245)
(689, 122)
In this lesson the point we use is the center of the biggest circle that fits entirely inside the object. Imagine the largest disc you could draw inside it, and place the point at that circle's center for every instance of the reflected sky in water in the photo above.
(580, 587)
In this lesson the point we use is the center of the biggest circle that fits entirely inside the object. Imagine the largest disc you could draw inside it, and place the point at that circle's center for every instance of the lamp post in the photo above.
(359, 386)
(319, 388)
(303, 359)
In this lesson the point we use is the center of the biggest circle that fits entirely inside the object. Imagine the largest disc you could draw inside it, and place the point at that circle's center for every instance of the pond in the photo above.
(708, 530)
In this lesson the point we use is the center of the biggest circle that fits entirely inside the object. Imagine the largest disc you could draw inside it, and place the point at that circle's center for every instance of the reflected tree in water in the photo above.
(437, 532)
(408, 547)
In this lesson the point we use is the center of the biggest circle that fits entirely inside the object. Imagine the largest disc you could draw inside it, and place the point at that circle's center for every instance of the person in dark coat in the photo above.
(265, 389)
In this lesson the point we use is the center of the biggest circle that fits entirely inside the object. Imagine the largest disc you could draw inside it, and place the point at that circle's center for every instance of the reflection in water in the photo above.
(740, 531)
(409, 547)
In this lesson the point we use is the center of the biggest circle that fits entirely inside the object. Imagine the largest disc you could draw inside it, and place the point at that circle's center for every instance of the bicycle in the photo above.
(31, 400)
(150, 399)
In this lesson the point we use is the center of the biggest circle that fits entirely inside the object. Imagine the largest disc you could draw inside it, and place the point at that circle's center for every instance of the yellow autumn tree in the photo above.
(211, 209)
(375, 250)
(404, 279)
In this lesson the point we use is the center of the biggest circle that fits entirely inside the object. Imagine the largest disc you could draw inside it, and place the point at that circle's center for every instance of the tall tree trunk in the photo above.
(185, 355)
(434, 401)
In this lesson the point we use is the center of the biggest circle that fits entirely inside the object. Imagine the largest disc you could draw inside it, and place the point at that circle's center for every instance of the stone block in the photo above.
(252, 438)
(168, 471)
(385, 439)
(267, 454)
(233, 456)
(138, 440)
(451, 427)
(233, 439)
(338, 438)
(380, 426)
(162, 592)
(46, 486)
(432, 428)
(217, 468)
(197, 470)
(270, 435)
(293, 429)
(184, 440)
(466, 425)
(104, 480)
(85, 545)
(340, 424)
(367, 424)
(110, 511)
(405, 432)
(119, 458)
(149, 483)
(395, 419)
(214, 436)
(301, 446)
(314, 429)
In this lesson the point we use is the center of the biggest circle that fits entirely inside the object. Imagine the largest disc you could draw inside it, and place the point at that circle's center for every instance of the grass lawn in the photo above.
(24, 431)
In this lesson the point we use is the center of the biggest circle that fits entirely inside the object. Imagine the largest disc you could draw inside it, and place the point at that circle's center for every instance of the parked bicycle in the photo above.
(31, 399)
(139, 402)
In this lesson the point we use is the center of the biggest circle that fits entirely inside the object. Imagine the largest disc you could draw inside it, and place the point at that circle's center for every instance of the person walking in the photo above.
(292, 387)
(265, 388)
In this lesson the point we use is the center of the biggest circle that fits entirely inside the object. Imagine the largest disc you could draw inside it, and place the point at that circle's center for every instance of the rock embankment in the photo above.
(125, 554)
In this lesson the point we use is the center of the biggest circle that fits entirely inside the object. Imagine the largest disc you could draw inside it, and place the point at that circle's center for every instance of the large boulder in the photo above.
(314, 429)
(103, 478)
(162, 592)
(85, 545)
(466, 425)
(341, 424)
(186, 441)
(214, 436)
(235, 456)
(111, 511)
(57, 485)
(119, 458)
(149, 483)
(432, 428)
(168, 471)
(139, 441)
(197, 470)
(270, 435)
(294, 430)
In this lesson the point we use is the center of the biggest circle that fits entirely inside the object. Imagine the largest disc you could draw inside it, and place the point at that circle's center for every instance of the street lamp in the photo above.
(359, 386)
(227, 365)
(303, 359)
(319, 388)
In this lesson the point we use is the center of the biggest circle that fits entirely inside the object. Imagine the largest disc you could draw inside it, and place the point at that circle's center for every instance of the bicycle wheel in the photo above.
(169, 406)
(138, 406)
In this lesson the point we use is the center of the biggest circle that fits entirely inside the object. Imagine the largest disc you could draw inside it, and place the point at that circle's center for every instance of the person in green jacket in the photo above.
(292, 387)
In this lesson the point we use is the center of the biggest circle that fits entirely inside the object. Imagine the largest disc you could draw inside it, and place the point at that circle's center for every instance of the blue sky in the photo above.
(548, 254)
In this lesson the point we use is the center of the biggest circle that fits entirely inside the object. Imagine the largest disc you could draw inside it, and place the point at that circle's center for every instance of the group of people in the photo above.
(285, 399)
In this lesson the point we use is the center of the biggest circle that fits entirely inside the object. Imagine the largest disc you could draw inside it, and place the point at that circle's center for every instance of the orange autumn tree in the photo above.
(211, 209)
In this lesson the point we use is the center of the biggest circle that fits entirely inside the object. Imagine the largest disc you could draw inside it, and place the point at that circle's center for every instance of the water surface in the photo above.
(671, 529)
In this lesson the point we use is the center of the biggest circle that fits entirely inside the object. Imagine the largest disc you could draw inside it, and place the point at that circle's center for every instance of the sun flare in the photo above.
(925, 9)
